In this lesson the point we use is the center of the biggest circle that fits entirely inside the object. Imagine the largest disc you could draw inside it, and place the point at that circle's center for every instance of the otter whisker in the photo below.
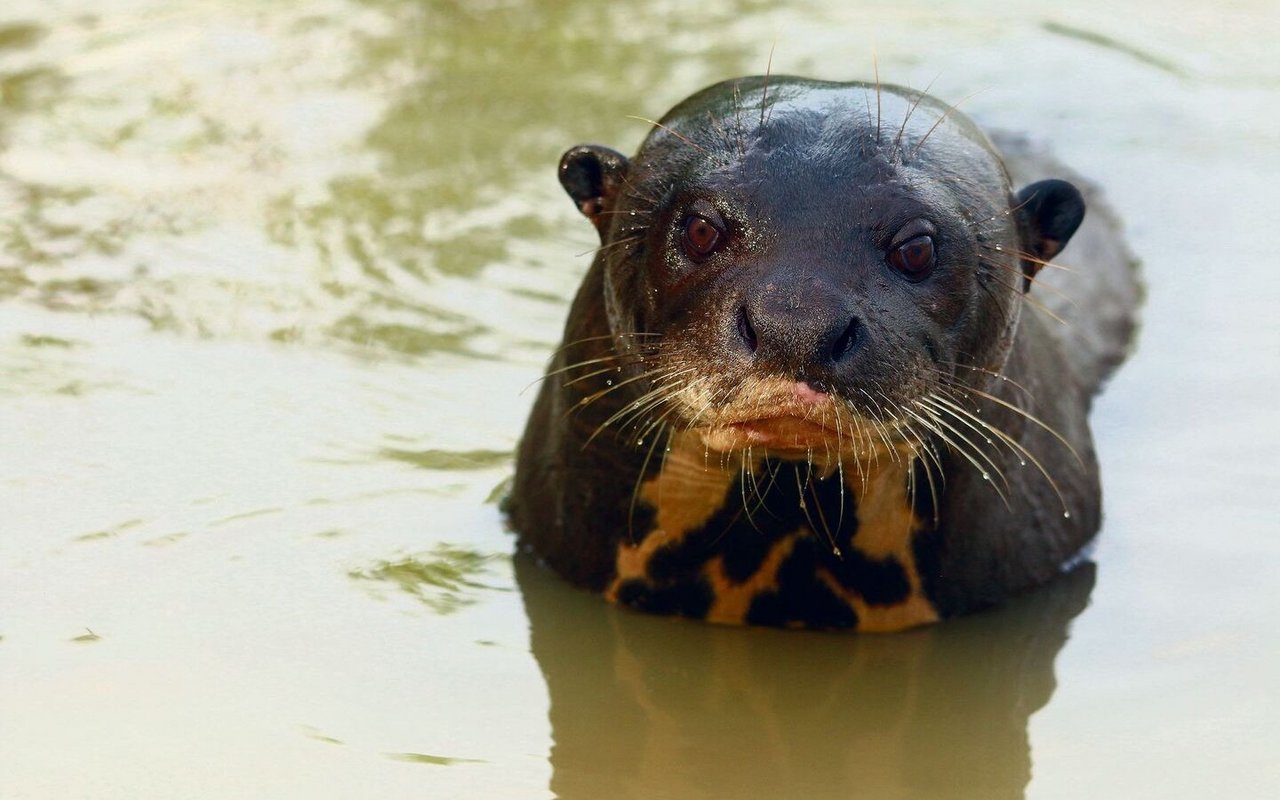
(974, 223)
(673, 132)
(869, 452)
(631, 356)
(591, 398)
(928, 458)
(1031, 279)
(866, 98)
(941, 117)
(582, 403)
(804, 506)
(635, 492)
(1026, 414)
(976, 449)
(865, 439)
(998, 375)
(592, 374)
(911, 488)
(875, 66)
(1024, 455)
(578, 365)
(634, 193)
(878, 431)
(743, 469)
(666, 452)
(878, 417)
(602, 248)
(941, 433)
(648, 428)
(839, 461)
(906, 430)
(840, 477)
(1023, 297)
(822, 517)
(897, 142)
(1025, 256)
(933, 493)
(585, 339)
(863, 474)
(764, 94)
(661, 418)
(643, 213)
(666, 383)
(934, 403)
(737, 112)
(651, 401)
(751, 473)
(774, 468)
(706, 406)
(762, 494)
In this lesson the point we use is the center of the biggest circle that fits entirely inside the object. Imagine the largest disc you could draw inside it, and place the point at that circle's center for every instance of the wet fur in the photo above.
(955, 476)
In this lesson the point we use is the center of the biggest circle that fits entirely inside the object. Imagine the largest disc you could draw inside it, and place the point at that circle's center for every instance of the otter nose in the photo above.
(794, 335)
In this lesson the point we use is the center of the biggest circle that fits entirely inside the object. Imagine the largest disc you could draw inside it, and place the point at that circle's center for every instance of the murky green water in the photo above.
(274, 275)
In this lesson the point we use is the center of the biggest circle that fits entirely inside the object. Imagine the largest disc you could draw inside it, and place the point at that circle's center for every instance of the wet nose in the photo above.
(798, 333)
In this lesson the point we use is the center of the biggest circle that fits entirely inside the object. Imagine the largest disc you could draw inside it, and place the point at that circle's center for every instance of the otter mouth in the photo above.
(784, 434)
(780, 415)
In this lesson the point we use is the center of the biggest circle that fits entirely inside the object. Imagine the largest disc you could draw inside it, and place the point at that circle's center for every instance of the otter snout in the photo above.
(805, 331)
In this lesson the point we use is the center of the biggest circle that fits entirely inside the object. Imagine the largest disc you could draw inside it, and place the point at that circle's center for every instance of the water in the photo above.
(273, 277)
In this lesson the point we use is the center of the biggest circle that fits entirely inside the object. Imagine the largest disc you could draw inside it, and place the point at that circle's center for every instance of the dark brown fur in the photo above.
(789, 430)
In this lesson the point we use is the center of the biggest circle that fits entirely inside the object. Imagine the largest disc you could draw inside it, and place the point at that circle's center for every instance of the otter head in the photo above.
(812, 268)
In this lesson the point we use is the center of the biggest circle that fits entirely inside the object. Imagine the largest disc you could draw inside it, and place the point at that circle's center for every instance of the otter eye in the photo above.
(913, 258)
(700, 238)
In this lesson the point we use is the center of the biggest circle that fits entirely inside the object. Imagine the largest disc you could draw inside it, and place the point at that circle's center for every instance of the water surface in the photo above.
(274, 277)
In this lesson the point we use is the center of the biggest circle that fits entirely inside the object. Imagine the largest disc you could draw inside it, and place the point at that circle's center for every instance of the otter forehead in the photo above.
(825, 104)
(805, 141)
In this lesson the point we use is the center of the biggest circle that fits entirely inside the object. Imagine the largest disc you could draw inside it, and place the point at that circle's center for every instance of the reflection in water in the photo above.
(442, 581)
(438, 459)
(1101, 40)
(650, 707)
(468, 135)
(357, 197)
(438, 761)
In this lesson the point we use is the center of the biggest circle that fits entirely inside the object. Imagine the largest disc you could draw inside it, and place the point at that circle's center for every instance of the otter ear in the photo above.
(593, 176)
(1049, 213)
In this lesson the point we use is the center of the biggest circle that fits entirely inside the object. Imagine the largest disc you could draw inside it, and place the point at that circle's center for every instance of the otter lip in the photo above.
(783, 432)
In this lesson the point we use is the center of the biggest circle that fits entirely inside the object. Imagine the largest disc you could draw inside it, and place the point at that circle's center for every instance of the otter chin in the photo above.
(808, 380)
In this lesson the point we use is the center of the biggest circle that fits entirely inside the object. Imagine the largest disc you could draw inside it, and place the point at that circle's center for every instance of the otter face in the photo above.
(794, 273)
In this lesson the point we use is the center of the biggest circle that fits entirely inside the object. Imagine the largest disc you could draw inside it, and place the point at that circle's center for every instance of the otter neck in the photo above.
(734, 536)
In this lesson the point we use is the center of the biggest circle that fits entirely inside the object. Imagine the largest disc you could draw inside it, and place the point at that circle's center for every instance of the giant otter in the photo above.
(810, 379)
